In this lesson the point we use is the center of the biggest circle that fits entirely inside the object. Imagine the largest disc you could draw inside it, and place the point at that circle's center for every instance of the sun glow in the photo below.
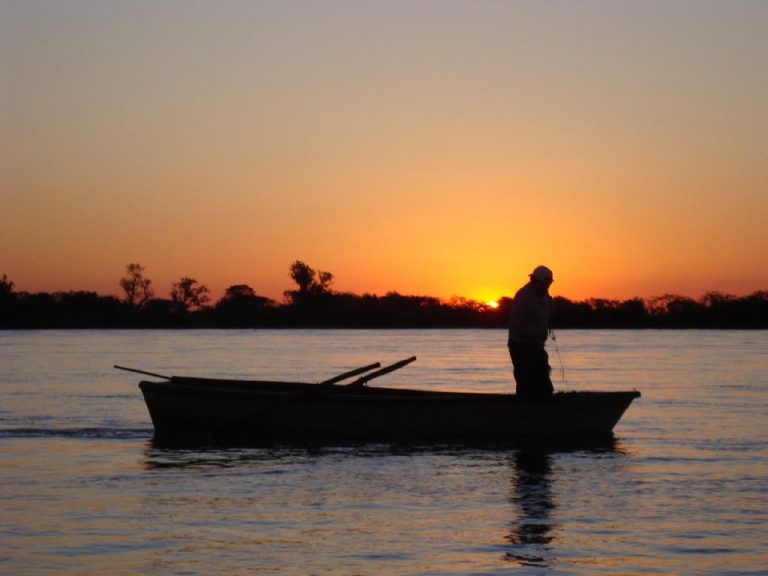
(294, 181)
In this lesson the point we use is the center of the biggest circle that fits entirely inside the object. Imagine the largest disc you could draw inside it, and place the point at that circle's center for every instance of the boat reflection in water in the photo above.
(492, 506)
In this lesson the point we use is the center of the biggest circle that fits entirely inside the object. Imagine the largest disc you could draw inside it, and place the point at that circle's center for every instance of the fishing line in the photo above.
(559, 358)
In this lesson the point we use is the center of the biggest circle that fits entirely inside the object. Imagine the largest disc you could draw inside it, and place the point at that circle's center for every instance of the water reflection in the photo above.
(160, 458)
(531, 532)
(310, 490)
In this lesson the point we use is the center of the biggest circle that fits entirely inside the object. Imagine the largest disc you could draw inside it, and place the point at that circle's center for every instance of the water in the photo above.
(682, 490)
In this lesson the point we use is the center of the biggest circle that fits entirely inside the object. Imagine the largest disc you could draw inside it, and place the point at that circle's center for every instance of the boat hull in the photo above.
(196, 411)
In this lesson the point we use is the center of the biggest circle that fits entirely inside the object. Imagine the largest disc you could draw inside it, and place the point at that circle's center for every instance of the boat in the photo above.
(192, 410)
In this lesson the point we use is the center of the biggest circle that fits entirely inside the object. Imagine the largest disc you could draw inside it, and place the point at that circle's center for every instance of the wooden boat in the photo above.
(190, 410)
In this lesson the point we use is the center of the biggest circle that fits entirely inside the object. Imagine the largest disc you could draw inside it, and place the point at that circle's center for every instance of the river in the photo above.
(683, 489)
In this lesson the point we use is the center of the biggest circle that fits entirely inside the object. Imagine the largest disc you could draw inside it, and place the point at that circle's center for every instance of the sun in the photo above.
(492, 303)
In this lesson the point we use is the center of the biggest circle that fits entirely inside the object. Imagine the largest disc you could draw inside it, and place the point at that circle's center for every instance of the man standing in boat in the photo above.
(530, 314)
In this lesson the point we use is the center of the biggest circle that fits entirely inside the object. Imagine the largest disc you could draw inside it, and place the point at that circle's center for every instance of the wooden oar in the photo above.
(386, 370)
(349, 374)
(328, 382)
(142, 372)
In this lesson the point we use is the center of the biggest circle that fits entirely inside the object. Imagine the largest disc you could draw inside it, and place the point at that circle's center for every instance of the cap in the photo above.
(542, 274)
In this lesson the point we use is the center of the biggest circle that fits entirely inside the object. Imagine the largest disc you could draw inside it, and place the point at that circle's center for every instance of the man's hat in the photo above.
(542, 274)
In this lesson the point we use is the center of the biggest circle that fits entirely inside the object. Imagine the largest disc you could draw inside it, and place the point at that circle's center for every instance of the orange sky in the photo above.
(441, 148)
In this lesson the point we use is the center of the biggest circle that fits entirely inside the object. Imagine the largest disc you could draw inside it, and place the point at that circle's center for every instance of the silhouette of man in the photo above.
(529, 320)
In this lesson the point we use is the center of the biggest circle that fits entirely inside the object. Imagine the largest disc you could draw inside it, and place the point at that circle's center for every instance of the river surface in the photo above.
(683, 489)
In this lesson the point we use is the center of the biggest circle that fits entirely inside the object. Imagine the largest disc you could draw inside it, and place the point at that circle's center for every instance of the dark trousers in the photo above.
(531, 368)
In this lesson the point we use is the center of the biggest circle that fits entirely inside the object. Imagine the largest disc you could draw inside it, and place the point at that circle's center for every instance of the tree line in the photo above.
(314, 303)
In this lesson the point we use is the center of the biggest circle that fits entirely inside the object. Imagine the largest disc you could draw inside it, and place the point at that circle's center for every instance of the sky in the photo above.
(436, 148)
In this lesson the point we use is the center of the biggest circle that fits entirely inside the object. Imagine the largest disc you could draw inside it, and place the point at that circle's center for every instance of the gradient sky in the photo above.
(432, 147)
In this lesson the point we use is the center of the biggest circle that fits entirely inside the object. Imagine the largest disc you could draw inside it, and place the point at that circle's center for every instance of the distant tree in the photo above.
(243, 297)
(632, 313)
(674, 310)
(6, 286)
(568, 314)
(238, 291)
(84, 309)
(726, 310)
(303, 275)
(755, 308)
(461, 302)
(241, 306)
(39, 310)
(158, 313)
(8, 300)
(188, 295)
(323, 284)
(137, 287)
(312, 285)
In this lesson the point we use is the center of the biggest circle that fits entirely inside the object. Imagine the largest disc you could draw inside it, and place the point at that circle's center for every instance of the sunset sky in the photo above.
(433, 147)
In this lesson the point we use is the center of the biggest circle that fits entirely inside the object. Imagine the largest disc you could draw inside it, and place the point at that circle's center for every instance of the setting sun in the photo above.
(493, 303)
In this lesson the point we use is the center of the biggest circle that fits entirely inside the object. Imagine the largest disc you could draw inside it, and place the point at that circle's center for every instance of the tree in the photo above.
(241, 306)
(323, 284)
(303, 275)
(674, 310)
(6, 286)
(8, 300)
(137, 287)
(187, 295)
(238, 292)
(242, 298)
(311, 284)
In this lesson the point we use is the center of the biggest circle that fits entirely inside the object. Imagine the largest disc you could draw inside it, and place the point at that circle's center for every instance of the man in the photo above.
(529, 320)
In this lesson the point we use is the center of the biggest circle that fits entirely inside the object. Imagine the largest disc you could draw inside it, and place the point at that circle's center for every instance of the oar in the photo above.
(328, 382)
(142, 372)
(386, 370)
(349, 374)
